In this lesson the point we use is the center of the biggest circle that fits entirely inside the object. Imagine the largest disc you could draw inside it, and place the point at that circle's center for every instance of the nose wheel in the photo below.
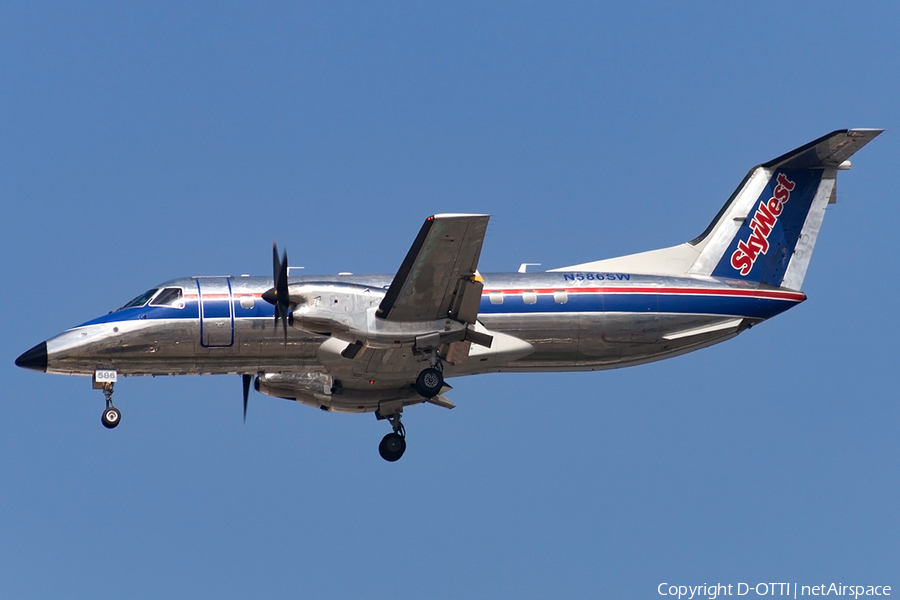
(393, 445)
(111, 416)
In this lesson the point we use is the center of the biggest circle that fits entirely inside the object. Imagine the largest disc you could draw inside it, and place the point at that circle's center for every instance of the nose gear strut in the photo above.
(111, 416)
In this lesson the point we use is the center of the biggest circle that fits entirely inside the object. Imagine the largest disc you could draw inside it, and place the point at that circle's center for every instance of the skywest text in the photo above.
(762, 223)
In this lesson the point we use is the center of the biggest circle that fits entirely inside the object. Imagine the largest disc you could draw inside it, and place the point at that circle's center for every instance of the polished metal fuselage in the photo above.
(573, 321)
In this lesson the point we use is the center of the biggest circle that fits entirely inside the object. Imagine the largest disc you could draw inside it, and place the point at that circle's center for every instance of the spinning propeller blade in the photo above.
(279, 295)
(246, 379)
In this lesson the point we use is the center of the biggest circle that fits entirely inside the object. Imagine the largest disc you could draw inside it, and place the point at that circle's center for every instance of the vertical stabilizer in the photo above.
(766, 231)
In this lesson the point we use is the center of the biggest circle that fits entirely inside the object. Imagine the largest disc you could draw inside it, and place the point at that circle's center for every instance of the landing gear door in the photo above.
(216, 312)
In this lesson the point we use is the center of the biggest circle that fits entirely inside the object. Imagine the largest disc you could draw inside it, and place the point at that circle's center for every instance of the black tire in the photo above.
(392, 447)
(429, 382)
(111, 417)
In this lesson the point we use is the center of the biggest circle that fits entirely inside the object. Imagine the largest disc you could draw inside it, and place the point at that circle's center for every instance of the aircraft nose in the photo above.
(36, 358)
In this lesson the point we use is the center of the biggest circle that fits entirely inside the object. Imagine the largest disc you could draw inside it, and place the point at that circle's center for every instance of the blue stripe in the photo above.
(191, 310)
(741, 306)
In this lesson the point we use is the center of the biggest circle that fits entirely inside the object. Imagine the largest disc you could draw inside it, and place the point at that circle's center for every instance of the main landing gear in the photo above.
(393, 445)
(431, 379)
(428, 384)
(111, 416)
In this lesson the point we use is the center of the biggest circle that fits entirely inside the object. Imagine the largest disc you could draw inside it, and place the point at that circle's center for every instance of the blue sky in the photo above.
(141, 143)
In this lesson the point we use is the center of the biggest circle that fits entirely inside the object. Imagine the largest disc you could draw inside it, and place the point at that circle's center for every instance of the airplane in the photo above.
(380, 343)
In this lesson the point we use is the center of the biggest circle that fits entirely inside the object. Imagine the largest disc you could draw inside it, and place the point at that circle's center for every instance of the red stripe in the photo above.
(766, 294)
(220, 296)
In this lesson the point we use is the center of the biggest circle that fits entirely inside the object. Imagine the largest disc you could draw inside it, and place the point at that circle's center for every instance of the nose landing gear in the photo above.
(111, 416)
(105, 379)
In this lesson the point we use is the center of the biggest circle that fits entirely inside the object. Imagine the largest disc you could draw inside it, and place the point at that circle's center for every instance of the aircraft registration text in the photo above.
(596, 277)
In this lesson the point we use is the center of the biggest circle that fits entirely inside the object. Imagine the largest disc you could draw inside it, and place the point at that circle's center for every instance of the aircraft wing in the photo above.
(438, 276)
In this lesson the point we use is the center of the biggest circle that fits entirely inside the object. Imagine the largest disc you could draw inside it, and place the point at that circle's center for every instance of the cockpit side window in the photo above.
(141, 300)
(172, 297)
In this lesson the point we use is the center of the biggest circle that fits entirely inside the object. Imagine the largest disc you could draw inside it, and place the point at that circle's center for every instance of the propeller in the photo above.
(279, 295)
(246, 379)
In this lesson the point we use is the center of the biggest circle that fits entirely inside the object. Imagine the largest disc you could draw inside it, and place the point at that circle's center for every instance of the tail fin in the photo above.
(767, 230)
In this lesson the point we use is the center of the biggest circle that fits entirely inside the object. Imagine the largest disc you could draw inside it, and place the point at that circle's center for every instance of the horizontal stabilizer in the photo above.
(828, 151)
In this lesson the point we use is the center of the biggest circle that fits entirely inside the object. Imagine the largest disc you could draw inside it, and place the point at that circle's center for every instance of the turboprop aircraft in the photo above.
(381, 343)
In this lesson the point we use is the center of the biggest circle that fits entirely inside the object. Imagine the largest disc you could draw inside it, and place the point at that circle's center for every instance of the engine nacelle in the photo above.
(331, 308)
(321, 390)
(348, 312)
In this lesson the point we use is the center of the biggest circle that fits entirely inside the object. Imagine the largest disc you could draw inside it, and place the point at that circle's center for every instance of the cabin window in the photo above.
(496, 297)
(529, 297)
(560, 296)
(141, 300)
(172, 297)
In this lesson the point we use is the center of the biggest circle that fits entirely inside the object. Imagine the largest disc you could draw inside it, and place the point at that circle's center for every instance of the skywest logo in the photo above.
(763, 221)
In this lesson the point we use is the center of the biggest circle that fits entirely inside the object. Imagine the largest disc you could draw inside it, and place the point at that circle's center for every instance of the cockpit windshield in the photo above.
(172, 297)
(141, 300)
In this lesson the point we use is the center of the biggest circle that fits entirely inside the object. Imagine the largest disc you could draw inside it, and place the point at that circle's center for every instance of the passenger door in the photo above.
(216, 312)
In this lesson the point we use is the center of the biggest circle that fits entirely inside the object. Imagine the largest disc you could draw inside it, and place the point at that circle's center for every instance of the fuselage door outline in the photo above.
(216, 312)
